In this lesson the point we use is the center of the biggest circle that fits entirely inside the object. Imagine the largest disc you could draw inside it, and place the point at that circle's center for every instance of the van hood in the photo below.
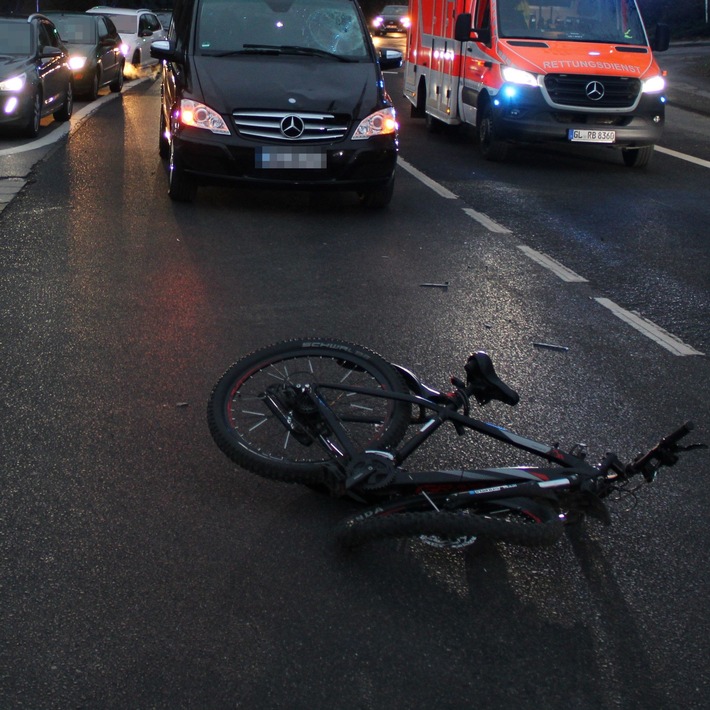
(287, 83)
(548, 57)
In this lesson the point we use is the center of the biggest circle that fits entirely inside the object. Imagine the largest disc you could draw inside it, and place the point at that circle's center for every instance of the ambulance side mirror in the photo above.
(463, 27)
(464, 31)
(662, 39)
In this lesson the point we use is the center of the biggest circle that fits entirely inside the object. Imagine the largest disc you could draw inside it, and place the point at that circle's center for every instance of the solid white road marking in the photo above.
(649, 329)
(683, 156)
(431, 184)
(486, 221)
(549, 263)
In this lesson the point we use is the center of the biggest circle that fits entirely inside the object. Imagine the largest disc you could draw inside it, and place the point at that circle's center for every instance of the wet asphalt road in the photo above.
(141, 569)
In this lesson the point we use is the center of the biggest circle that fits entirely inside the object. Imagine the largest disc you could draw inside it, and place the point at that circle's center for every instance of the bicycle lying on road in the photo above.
(336, 416)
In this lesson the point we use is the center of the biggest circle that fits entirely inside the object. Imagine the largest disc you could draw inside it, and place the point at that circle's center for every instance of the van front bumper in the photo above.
(347, 165)
(523, 115)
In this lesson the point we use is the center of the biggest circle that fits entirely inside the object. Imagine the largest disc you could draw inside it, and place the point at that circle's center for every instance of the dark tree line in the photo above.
(686, 17)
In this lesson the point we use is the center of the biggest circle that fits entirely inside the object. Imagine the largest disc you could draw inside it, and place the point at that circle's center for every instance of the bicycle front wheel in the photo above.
(517, 521)
(246, 428)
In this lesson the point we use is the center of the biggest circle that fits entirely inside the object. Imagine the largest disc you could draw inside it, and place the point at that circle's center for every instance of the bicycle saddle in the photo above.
(481, 376)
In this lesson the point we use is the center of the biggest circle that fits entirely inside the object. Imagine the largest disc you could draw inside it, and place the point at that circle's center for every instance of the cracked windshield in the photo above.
(256, 26)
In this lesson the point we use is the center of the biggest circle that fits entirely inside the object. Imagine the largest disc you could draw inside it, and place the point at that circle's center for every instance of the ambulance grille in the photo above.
(290, 126)
(583, 90)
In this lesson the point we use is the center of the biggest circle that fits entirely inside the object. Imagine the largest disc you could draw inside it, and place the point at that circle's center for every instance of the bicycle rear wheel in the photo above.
(518, 521)
(246, 428)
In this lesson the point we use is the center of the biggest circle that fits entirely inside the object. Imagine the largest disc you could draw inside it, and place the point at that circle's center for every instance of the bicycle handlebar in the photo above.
(664, 453)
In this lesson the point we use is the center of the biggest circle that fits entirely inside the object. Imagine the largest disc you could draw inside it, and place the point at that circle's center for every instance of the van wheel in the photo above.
(379, 197)
(492, 148)
(637, 157)
(181, 187)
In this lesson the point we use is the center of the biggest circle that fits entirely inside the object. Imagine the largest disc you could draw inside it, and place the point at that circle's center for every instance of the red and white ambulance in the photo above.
(576, 71)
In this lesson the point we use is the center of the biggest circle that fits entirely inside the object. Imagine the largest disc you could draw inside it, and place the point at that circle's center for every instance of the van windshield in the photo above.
(608, 21)
(327, 27)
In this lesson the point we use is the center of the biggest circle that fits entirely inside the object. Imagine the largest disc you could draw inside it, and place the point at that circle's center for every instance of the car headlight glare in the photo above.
(406, 22)
(377, 21)
(14, 83)
(380, 123)
(654, 85)
(124, 49)
(198, 115)
(518, 76)
(77, 62)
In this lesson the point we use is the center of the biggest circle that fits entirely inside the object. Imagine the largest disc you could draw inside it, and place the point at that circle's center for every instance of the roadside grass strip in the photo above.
(649, 329)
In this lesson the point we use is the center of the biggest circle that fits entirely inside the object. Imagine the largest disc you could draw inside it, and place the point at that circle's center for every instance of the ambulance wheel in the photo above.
(637, 157)
(492, 148)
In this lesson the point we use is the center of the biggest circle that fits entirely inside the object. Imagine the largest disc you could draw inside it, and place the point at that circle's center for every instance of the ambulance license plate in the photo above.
(591, 136)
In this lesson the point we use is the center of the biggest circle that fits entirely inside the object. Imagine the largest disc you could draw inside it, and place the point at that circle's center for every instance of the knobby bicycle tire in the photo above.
(536, 525)
(249, 433)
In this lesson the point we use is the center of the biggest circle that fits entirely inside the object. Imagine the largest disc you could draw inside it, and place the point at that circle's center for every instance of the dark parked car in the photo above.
(35, 78)
(95, 53)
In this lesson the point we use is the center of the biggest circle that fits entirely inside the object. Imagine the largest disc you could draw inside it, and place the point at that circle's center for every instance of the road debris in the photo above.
(550, 346)
(444, 285)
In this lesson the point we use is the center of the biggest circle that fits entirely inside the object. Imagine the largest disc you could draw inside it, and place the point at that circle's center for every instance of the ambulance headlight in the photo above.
(518, 76)
(654, 85)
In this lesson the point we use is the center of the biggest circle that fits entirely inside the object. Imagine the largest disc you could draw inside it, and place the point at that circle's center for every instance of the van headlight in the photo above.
(198, 115)
(654, 84)
(380, 123)
(14, 83)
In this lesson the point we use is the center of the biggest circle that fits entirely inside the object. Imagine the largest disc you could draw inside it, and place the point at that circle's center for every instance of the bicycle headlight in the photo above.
(379, 123)
(14, 83)
(654, 85)
(518, 76)
(198, 115)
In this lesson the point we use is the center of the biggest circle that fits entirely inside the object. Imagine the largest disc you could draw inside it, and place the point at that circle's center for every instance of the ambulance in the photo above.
(529, 71)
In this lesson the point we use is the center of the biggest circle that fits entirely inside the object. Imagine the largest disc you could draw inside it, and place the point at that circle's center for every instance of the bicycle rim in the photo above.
(247, 429)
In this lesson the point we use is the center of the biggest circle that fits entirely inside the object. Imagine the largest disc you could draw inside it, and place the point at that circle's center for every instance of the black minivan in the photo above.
(281, 93)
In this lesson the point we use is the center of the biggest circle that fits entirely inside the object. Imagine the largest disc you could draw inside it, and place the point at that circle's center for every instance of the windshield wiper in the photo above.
(284, 49)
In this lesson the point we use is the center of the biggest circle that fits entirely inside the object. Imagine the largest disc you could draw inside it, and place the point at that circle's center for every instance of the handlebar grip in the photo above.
(664, 453)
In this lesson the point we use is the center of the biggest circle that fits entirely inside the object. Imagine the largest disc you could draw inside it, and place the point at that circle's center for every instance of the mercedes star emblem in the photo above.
(292, 126)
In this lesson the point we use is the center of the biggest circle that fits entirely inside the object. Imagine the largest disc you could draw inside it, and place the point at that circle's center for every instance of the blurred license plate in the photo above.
(291, 158)
(589, 136)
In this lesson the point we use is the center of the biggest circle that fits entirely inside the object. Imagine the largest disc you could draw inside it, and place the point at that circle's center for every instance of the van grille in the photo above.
(574, 89)
(290, 126)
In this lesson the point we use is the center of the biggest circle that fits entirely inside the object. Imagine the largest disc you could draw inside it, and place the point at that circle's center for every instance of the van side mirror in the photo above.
(390, 58)
(662, 40)
(163, 50)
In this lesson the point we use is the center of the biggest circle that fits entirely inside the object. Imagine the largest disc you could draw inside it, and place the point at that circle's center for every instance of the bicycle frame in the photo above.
(513, 481)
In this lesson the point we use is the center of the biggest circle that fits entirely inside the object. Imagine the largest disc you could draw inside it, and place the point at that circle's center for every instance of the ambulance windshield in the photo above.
(607, 21)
